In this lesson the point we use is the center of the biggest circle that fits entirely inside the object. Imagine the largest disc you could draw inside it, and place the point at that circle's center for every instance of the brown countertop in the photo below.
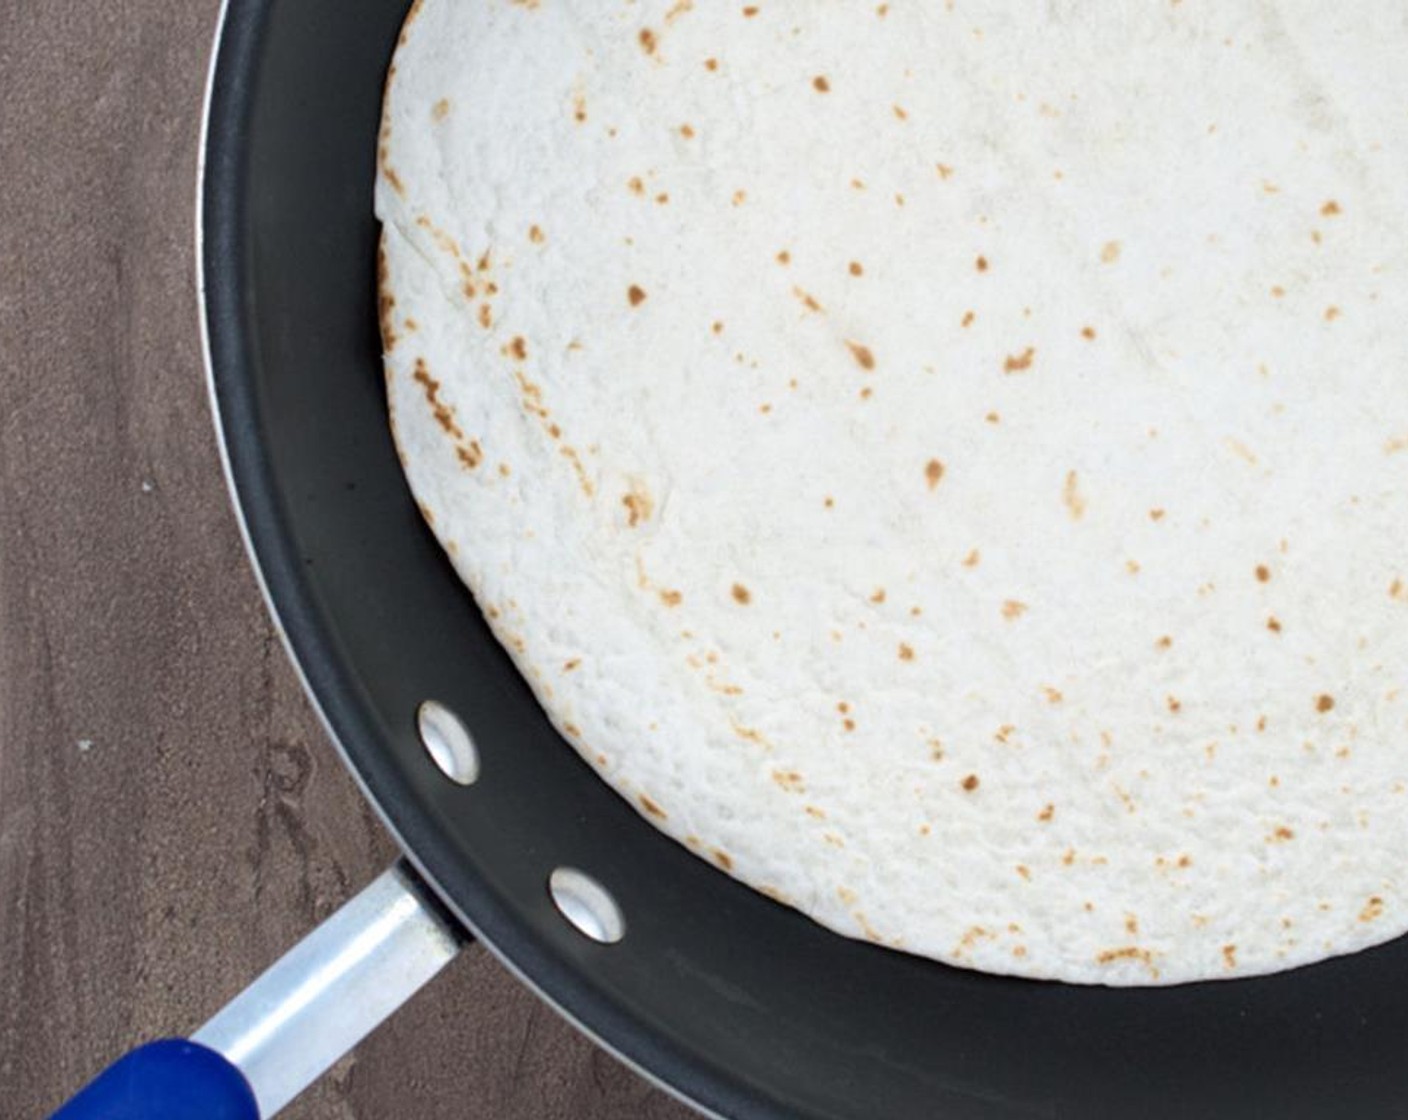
(171, 814)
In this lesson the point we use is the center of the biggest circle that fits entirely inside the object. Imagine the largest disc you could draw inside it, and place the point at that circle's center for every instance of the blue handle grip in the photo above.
(167, 1080)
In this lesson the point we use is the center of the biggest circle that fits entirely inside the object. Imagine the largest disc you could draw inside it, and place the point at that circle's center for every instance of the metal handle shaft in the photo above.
(332, 988)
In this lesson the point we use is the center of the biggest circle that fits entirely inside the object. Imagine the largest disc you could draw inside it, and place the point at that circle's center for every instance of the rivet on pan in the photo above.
(447, 741)
(587, 905)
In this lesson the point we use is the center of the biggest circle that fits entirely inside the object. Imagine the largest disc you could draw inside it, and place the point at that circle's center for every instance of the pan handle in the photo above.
(281, 1033)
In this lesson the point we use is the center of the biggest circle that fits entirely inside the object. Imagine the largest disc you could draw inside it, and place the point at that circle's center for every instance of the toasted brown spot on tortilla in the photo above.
(784, 257)
(1263, 573)
(1280, 834)
(1229, 956)
(1088, 333)
(711, 64)
(648, 41)
(1019, 363)
(808, 300)
(933, 473)
(386, 304)
(1072, 498)
(906, 652)
(723, 859)
(855, 268)
(639, 505)
(671, 598)
(820, 84)
(1047, 813)
(1127, 953)
(573, 730)
(790, 780)
(1110, 252)
(1175, 705)
(1156, 515)
(1372, 909)
(970, 783)
(864, 358)
(444, 415)
(1013, 608)
(1324, 703)
(637, 508)
(536, 235)
(878, 595)
(1330, 209)
(652, 808)
(741, 594)
(1273, 624)
(636, 295)
(981, 264)
(1163, 643)
(750, 734)
(973, 559)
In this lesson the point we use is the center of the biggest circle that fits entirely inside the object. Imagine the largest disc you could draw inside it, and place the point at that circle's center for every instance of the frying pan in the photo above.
(740, 1006)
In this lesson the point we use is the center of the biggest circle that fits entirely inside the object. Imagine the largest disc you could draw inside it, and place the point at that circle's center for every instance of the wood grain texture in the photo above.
(171, 816)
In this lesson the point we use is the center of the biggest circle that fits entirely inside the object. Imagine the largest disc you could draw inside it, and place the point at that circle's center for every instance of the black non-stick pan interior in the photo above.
(743, 1006)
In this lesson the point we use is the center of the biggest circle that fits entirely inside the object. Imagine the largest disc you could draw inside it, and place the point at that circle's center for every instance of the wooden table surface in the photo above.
(171, 814)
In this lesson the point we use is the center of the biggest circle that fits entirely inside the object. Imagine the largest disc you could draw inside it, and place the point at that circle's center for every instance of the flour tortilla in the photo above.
(945, 463)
